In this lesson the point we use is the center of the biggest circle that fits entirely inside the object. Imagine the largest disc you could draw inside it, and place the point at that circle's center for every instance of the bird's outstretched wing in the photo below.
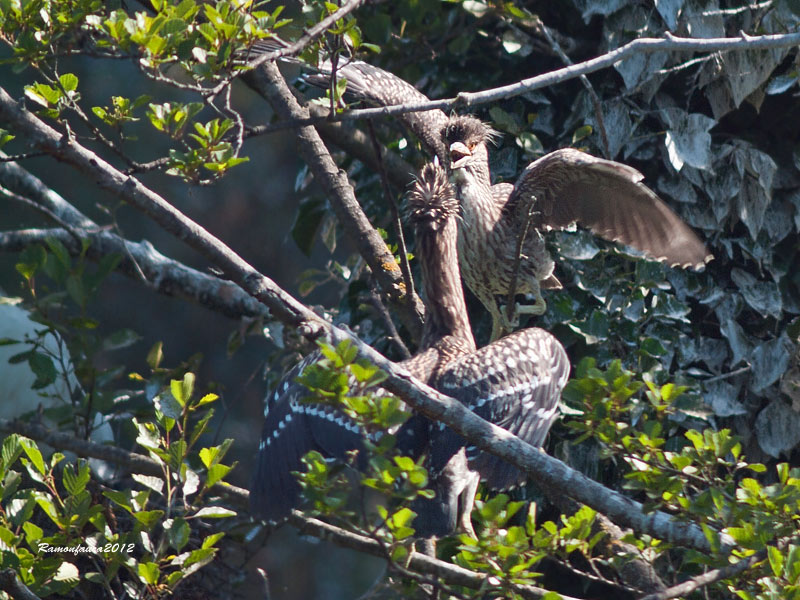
(293, 428)
(516, 383)
(569, 186)
(378, 87)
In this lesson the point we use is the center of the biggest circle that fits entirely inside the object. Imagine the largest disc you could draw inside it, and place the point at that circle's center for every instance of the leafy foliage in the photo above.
(685, 387)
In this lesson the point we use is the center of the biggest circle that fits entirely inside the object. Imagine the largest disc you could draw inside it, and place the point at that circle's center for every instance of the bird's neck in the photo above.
(474, 189)
(444, 295)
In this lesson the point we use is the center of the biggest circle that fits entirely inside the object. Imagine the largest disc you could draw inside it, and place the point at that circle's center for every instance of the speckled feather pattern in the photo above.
(560, 189)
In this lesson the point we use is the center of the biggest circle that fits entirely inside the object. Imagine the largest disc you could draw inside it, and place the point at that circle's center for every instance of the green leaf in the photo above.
(178, 533)
(122, 338)
(44, 369)
(211, 539)
(148, 518)
(75, 481)
(775, 560)
(33, 533)
(69, 82)
(182, 390)
(307, 223)
(216, 473)
(148, 572)
(34, 455)
(155, 355)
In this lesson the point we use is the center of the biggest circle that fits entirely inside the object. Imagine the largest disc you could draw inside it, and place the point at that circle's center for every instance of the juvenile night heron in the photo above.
(560, 189)
(515, 382)
(503, 223)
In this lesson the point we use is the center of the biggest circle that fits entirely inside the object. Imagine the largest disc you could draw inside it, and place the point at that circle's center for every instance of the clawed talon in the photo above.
(537, 308)
(501, 325)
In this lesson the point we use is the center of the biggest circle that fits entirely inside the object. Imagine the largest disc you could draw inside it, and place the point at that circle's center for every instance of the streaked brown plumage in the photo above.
(562, 188)
(515, 382)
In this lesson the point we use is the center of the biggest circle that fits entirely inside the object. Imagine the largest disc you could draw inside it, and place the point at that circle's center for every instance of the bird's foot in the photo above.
(501, 324)
(536, 309)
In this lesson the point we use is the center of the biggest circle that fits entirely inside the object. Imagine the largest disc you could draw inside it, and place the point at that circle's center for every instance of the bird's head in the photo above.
(432, 199)
(466, 139)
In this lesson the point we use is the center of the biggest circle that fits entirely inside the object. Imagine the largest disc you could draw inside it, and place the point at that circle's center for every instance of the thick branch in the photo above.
(132, 191)
(356, 144)
(547, 471)
(139, 260)
(142, 262)
(10, 584)
(642, 45)
(18, 180)
(371, 246)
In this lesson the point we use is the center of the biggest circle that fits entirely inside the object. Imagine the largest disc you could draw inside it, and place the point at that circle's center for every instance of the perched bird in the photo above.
(515, 382)
(502, 225)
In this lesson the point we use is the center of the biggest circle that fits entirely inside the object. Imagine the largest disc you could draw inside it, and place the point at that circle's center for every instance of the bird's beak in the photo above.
(459, 155)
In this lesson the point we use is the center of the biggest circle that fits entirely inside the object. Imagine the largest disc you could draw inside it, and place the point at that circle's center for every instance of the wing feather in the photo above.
(515, 383)
(608, 198)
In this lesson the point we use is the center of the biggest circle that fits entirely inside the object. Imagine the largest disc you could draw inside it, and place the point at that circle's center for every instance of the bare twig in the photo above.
(41, 210)
(21, 182)
(728, 375)
(295, 48)
(708, 578)
(394, 335)
(669, 43)
(398, 226)
(512, 287)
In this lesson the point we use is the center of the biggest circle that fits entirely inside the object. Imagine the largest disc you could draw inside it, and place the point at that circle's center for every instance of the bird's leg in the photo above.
(427, 546)
(467, 504)
(537, 308)
(500, 324)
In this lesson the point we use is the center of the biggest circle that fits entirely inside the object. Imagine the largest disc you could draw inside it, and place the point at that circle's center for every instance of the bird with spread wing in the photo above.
(501, 247)
(515, 382)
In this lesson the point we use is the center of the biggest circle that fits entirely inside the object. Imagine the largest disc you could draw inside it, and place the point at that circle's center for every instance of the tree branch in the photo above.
(708, 578)
(142, 262)
(548, 471)
(298, 46)
(671, 43)
(10, 584)
(343, 201)
(139, 260)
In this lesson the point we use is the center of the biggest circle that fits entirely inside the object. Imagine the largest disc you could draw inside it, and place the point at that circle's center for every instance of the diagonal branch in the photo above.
(371, 246)
(708, 578)
(142, 262)
(550, 472)
(139, 260)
